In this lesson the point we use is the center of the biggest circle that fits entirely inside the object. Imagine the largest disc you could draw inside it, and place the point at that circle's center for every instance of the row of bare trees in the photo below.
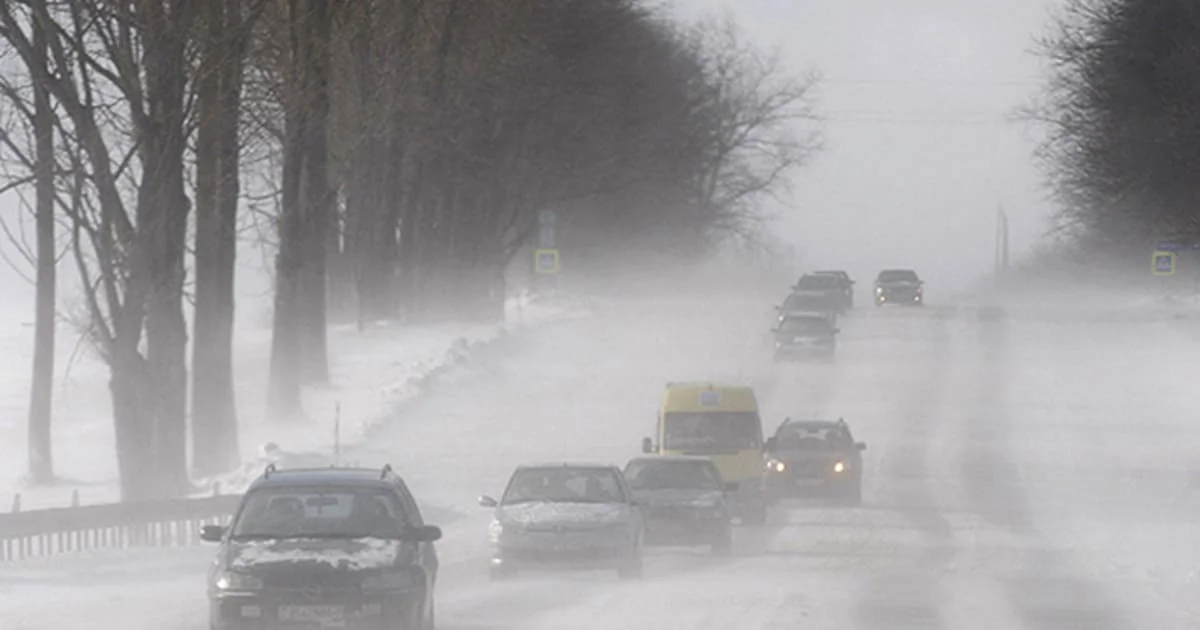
(408, 146)
(1123, 145)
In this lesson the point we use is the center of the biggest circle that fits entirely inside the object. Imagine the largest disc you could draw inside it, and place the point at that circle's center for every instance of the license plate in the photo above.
(327, 616)
(807, 482)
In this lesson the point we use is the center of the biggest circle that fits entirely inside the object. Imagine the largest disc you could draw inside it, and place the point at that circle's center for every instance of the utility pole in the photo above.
(1001, 261)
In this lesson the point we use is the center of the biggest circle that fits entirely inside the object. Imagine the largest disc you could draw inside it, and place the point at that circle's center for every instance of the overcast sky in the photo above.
(918, 154)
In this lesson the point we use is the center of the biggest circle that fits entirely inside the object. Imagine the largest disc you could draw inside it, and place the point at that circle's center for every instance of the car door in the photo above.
(636, 511)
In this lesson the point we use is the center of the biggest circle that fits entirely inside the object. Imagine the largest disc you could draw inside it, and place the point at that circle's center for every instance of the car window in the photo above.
(813, 438)
(817, 282)
(314, 512)
(564, 485)
(711, 432)
(798, 302)
(672, 475)
(800, 325)
(898, 275)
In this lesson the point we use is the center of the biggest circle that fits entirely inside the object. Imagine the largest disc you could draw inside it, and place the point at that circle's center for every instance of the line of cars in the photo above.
(348, 548)
(806, 326)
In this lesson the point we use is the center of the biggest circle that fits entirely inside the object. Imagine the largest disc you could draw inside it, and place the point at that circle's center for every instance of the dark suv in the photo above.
(899, 286)
(814, 458)
(324, 548)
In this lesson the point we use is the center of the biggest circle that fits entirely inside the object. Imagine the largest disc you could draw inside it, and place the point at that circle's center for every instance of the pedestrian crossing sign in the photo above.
(1163, 263)
(546, 261)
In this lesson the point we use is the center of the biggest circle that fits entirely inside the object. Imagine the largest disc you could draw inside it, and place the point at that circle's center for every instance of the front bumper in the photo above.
(295, 610)
(565, 550)
(896, 296)
(786, 485)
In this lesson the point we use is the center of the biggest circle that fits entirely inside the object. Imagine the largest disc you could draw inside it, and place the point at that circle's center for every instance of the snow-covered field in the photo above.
(371, 372)
(1030, 472)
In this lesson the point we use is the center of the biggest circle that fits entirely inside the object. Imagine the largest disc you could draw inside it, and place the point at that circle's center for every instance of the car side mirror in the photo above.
(212, 533)
(647, 445)
(487, 502)
(423, 534)
(862, 446)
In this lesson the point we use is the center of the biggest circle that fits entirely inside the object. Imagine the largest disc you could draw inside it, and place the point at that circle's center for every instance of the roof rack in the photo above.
(269, 469)
(387, 470)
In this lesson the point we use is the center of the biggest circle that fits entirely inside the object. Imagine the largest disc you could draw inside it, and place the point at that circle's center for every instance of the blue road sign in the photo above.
(1163, 263)
(1175, 246)
(547, 217)
(546, 261)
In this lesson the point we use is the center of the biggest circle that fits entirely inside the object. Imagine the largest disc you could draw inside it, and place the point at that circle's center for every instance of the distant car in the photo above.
(844, 282)
(825, 304)
(805, 335)
(827, 287)
(814, 458)
(899, 286)
(684, 501)
(325, 548)
(565, 516)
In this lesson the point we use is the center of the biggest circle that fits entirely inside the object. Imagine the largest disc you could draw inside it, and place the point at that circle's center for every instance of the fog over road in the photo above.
(1032, 471)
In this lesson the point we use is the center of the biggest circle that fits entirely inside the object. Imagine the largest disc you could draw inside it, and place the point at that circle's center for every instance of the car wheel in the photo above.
(723, 545)
(501, 573)
(755, 514)
(853, 496)
(631, 569)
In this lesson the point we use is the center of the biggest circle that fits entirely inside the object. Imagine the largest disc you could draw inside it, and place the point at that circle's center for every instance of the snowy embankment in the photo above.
(371, 372)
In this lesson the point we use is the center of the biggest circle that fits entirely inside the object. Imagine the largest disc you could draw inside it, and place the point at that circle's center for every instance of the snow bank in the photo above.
(371, 372)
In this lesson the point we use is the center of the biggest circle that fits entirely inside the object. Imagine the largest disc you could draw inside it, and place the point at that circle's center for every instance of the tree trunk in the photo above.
(41, 459)
(162, 215)
(132, 420)
(214, 411)
(316, 195)
(283, 389)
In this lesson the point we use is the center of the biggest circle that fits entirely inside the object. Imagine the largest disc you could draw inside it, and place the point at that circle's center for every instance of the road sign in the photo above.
(546, 261)
(547, 217)
(1163, 263)
(1176, 246)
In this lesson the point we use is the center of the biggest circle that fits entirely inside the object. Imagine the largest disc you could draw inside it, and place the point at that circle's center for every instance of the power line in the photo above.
(933, 82)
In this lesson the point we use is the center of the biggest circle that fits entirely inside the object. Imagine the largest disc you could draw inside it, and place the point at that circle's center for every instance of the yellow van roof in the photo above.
(703, 396)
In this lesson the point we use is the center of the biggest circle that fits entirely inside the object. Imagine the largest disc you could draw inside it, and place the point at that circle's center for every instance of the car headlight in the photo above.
(234, 581)
(839, 467)
(879, 289)
(388, 581)
(776, 465)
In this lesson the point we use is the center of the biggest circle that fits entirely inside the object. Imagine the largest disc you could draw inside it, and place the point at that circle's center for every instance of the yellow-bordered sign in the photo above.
(545, 261)
(1163, 264)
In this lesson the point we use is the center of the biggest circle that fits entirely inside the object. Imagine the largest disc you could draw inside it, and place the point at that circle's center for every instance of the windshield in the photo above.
(813, 439)
(804, 326)
(672, 475)
(817, 282)
(564, 485)
(707, 433)
(898, 275)
(801, 302)
(320, 513)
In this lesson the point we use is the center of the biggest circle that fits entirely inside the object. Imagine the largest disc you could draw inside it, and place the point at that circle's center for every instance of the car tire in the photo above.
(501, 573)
(755, 514)
(723, 545)
(853, 496)
(631, 569)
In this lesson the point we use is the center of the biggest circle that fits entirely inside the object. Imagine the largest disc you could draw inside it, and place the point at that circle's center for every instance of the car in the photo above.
(844, 281)
(899, 286)
(720, 421)
(565, 516)
(324, 547)
(802, 303)
(826, 289)
(808, 458)
(805, 335)
(683, 500)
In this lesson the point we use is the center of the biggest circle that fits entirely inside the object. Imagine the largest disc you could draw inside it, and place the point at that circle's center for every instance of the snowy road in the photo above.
(1034, 473)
